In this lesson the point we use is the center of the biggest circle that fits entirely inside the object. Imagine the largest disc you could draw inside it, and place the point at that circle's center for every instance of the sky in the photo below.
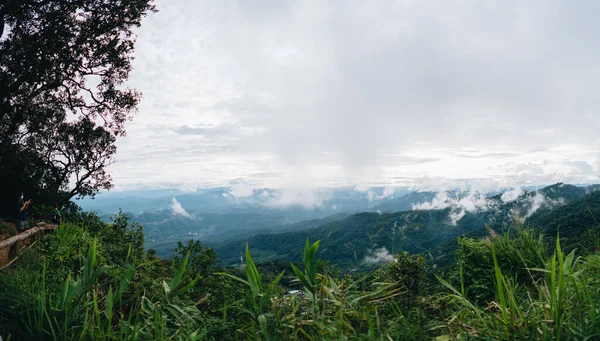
(280, 93)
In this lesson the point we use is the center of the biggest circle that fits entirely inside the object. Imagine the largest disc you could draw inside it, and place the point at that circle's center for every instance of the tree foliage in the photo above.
(63, 102)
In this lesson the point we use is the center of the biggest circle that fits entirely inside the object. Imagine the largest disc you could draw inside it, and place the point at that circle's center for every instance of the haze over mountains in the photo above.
(275, 221)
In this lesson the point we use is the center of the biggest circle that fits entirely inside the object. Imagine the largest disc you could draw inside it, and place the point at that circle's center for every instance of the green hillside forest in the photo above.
(93, 280)
(348, 241)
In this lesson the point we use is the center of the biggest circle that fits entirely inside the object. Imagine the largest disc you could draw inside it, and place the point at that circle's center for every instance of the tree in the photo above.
(63, 102)
(202, 259)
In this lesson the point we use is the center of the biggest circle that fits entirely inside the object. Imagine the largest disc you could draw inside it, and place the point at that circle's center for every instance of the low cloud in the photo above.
(304, 197)
(378, 256)
(387, 192)
(240, 188)
(459, 204)
(511, 195)
(538, 201)
(177, 209)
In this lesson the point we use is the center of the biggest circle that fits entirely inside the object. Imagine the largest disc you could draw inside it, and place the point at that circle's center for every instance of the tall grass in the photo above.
(533, 296)
(561, 304)
(324, 310)
(91, 305)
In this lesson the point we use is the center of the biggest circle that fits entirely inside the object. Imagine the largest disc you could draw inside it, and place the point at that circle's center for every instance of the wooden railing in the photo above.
(14, 242)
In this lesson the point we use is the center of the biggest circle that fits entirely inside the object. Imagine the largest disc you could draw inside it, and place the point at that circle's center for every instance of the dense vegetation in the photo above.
(163, 229)
(93, 280)
(576, 221)
(347, 242)
(216, 216)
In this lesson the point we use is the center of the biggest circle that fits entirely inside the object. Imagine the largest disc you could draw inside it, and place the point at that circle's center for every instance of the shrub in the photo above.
(518, 251)
(409, 273)
(563, 304)
(7, 228)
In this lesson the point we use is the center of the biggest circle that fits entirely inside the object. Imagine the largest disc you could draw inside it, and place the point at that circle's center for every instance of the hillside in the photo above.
(215, 216)
(364, 237)
(348, 241)
(122, 291)
(405, 202)
(97, 283)
(163, 234)
(575, 220)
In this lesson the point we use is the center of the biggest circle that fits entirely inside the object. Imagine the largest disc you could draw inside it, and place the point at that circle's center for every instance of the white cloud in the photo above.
(511, 195)
(381, 255)
(371, 92)
(240, 188)
(176, 208)
(456, 215)
(538, 201)
(362, 188)
(387, 192)
(304, 197)
(459, 204)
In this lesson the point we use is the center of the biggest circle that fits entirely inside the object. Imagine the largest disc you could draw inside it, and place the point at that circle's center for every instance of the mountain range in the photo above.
(370, 238)
(355, 227)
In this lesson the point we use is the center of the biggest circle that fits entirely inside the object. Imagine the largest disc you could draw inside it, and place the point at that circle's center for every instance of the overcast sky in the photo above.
(323, 93)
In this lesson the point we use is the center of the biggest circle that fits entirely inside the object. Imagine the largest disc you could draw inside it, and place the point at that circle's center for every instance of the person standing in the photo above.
(56, 215)
(21, 221)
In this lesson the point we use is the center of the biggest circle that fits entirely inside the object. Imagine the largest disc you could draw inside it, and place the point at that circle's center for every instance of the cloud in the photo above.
(362, 188)
(350, 92)
(459, 204)
(538, 201)
(305, 197)
(378, 256)
(178, 210)
(472, 201)
(456, 215)
(582, 167)
(511, 195)
(240, 188)
(387, 192)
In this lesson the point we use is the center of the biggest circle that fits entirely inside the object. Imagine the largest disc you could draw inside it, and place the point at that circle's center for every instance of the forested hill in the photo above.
(576, 222)
(348, 241)
(371, 237)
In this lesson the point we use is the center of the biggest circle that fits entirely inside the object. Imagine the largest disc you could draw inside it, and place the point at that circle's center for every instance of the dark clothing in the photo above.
(20, 215)
(22, 225)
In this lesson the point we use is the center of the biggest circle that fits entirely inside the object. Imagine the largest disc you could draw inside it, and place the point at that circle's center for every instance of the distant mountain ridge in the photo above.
(349, 241)
(215, 216)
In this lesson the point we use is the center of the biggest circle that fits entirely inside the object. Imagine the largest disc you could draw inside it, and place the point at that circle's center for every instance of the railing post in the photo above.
(13, 251)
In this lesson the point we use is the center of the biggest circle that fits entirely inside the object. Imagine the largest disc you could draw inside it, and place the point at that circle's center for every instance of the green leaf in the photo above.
(303, 279)
(186, 287)
(178, 278)
(108, 309)
(310, 265)
(233, 277)
(252, 274)
(125, 280)
(90, 262)
(167, 288)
